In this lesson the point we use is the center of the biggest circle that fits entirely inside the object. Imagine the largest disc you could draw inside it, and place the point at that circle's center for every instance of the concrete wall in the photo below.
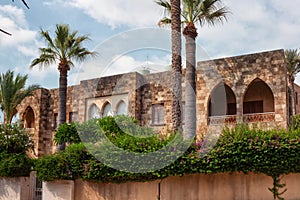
(58, 190)
(225, 186)
(15, 188)
(126, 191)
(221, 186)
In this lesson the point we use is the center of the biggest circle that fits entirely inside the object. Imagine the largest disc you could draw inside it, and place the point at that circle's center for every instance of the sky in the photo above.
(125, 35)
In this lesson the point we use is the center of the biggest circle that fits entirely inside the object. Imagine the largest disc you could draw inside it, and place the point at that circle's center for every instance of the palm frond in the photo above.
(12, 92)
(3, 31)
(24, 2)
(65, 47)
(164, 21)
(292, 57)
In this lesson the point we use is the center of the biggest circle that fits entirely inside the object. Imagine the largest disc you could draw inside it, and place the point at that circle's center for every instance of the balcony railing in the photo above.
(259, 117)
(248, 118)
(225, 119)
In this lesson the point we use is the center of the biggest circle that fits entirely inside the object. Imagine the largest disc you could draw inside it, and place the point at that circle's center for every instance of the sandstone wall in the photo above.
(142, 92)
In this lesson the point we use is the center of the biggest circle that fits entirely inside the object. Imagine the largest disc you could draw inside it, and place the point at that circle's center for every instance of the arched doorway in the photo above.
(222, 105)
(29, 118)
(258, 102)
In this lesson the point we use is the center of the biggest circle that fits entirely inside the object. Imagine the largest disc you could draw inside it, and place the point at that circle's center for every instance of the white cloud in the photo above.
(133, 13)
(119, 65)
(12, 20)
(253, 26)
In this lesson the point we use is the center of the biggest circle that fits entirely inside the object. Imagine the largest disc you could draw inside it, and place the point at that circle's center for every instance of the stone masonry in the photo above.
(244, 75)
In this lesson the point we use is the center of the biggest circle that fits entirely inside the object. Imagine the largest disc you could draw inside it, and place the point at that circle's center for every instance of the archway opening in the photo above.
(29, 118)
(222, 105)
(258, 102)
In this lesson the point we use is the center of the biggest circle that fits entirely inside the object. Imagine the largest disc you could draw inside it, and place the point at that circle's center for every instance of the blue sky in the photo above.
(125, 34)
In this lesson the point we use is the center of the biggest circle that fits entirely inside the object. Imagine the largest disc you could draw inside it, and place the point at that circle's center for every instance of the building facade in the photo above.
(249, 88)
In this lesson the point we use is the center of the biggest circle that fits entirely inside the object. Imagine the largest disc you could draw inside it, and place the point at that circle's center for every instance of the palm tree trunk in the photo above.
(63, 81)
(176, 65)
(294, 97)
(190, 34)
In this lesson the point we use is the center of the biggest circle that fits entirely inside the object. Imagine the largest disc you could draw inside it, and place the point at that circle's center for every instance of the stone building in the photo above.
(249, 88)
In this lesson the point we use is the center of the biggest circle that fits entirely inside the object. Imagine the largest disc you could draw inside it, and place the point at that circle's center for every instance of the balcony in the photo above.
(225, 119)
(259, 117)
(247, 118)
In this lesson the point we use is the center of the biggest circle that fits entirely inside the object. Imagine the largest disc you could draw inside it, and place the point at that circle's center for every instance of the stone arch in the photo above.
(222, 101)
(93, 111)
(106, 109)
(258, 98)
(121, 108)
(29, 118)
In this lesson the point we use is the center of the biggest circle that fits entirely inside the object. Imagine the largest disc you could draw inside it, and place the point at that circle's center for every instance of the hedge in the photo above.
(14, 143)
(272, 152)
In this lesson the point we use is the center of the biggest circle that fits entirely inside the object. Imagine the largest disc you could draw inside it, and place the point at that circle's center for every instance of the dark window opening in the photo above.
(158, 114)
(253, 107)
(55, 121)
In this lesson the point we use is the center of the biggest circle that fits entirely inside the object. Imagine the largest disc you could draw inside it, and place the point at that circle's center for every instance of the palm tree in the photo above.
(194, 11)
(175, 22)
(63, 49)
(3, 31)
(292, 57)
(12, 92)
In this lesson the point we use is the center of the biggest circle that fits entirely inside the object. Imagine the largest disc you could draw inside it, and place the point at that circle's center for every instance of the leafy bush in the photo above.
(123, 132)
(296, 119)
(14, 139)
(68, 164)
(15, 165)
(14, 142)
(67, 133)
(272, 152)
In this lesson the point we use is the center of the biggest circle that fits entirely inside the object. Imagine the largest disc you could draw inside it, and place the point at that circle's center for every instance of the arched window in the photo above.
(106, 111)
(122, 108)
(94, 112)
(29, 118)
(222, 101)
(258, 98)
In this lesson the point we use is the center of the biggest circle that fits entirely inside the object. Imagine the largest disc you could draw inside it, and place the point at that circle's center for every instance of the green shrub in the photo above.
(296, 121)
(68, 164)
(14, 139)
(15, 165)
(123, 132)
(67, 133)
(272, 152)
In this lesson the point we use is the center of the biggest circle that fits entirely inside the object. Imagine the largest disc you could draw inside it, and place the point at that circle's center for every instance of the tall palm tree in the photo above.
(202, 12)
(175, 21)
(292, 57)
(65, 47)
(12, 92)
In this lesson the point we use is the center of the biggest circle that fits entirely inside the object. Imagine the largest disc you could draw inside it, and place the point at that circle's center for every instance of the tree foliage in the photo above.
(12, 92)
(15, 142)
(64, 48)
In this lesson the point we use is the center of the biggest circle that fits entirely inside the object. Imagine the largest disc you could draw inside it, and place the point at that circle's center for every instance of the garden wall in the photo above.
(15, 188)
(236, 186)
